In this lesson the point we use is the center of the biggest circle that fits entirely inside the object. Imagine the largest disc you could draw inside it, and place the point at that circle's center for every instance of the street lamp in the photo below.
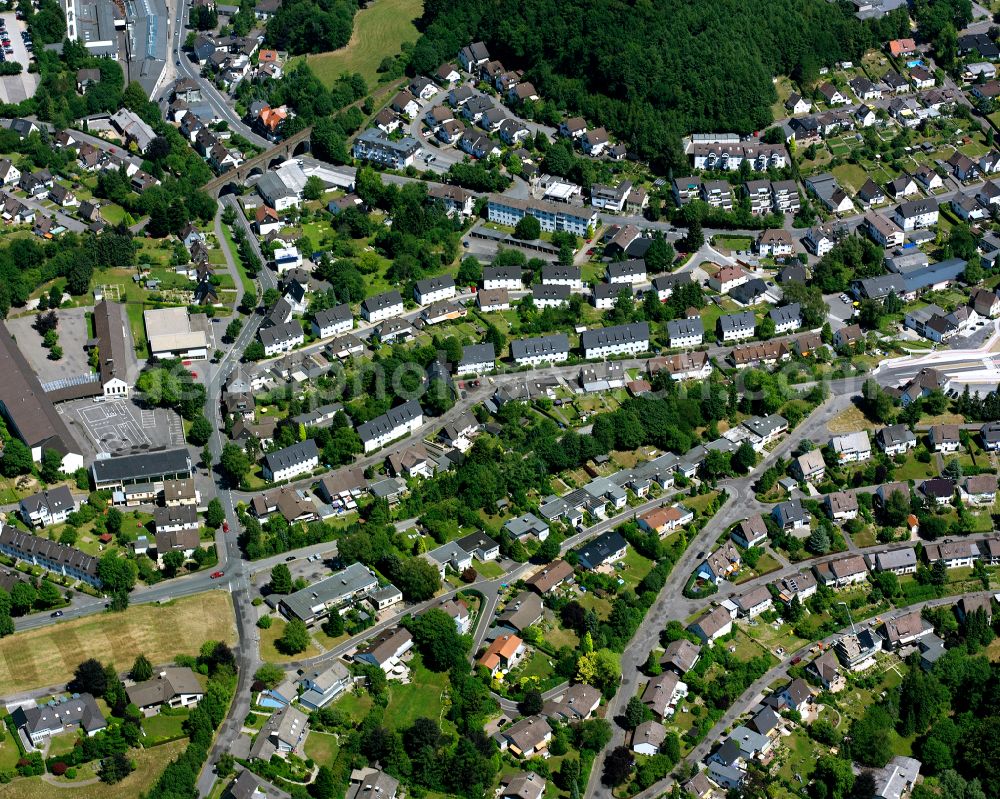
(849, 616)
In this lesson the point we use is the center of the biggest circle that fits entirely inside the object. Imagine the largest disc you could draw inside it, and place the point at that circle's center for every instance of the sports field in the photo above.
(379, 31)
(48, 655)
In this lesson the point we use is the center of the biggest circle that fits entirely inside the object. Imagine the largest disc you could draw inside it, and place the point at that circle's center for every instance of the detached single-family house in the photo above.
(712, 625)
(896, 439)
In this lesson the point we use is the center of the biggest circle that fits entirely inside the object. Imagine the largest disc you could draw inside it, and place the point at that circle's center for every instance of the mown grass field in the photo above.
(48, 656)
(379, 31)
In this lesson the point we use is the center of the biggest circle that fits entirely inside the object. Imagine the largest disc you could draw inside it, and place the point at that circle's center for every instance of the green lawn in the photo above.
(9, 754)
(355, 706)
(851, 176)
(914, 469)
(113, 214)
(635, 567)
(248, 285)
(733, 243)
(322, 747)
(163, 727)
(489, 570)
(269, 651)
(379, 32)
(422, 697)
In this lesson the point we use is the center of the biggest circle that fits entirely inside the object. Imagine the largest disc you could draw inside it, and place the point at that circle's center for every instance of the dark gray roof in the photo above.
(539, 347)
(339, 313)
(786, 313)
(55, 500)
(28, 547)
(81, 709)
(619, 334)
(682, 328)
(737, 321)
(380, 301)
(430, 284)
(144, 466)
(598, 550)
(280, 333)
(394, 418)
(477, 353)
(297, 453)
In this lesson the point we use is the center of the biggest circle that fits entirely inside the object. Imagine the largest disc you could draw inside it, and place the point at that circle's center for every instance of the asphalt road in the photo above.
(670, 603)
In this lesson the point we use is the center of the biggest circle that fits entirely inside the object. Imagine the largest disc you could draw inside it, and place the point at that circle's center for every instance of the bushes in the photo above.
(31, 765)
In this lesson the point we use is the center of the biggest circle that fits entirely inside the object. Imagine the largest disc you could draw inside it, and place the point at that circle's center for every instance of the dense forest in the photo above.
(312, 26)
(663, 68)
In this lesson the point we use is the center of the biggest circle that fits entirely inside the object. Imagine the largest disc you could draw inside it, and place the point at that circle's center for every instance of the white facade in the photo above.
(508, 211)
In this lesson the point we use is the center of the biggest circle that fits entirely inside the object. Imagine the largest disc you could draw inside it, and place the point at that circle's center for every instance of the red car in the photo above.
(225, 527)
(216, 575)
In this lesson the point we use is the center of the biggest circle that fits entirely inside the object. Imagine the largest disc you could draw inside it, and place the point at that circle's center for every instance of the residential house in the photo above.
(526, 737)
(736, 327)
(663, 693)
(386, 649)
(809, 466)
(750, 532)
(550, 576)
(48, 507)
(174, 687)
(503, 654)
(980, 489)
(522, 785)
(521, 612)
(800, 586)
(284, 464)
(842, 571)
(944, 438)
(60, 715)
(826, 668)
(606, 549)
(938, 490)
(720, 565)
(663, 521)
(712, 625)
(753, 602)
(898, 561)
(791, 516)
(852, 447)
(841, 506)
(680, 656)
(954, 554)
(685, 332)
(895, 439)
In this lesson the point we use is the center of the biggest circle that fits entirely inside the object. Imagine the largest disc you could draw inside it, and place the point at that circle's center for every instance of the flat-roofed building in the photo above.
(147, 468)
(170, 335)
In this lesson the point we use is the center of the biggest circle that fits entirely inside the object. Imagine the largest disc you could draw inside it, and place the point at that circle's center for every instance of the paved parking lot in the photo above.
(975, 339)
(73, 335)
(15, 88)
